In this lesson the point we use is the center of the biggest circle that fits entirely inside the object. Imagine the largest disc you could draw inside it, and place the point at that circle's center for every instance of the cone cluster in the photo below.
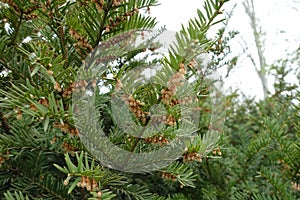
(187, 100)
(81, 41)
(67, 93)
(135, 107)
(165, 119)
(48, 5)
(68, 148)
(78, 86)
(12, 4)
(89, 184)
(42, 101)
(176, 80)
(116, 40)
(117, 2)
(57, 87)
(167, 175)
(99, 5)
(119, 19)
(66, 128)
(30, 16)
(161, 140)
(189, 157)
(217, 151)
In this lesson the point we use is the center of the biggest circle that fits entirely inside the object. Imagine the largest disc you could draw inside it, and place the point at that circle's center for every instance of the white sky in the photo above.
(279, 19)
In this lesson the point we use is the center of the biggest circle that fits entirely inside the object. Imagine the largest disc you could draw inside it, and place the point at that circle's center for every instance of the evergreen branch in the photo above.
(61, 35)
(216, 12)
(276, 182)
(208, 168)
(180, 172)
(103, 21)
(192, 41)
(178, 196)
(105, 195)
(16, 195)
(16, 31)
(136, 191)
(30, 178)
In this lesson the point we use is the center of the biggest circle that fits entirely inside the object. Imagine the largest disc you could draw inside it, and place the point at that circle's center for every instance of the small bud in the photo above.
(66, 182)
(94, 84)
(88, 187)
(19, 116)
(79, 184)
(99, 194)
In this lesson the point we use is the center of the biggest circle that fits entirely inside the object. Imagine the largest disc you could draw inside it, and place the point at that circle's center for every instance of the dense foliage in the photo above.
(45, 45)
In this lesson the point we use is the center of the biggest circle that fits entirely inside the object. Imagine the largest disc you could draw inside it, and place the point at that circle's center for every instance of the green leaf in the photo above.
(46, 124)
(16, 196)
(35, 70)
(74, 184)
(72, 168)
(80, 162)
(63, 170)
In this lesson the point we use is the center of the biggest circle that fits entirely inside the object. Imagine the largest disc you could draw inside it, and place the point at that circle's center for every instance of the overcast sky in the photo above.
(279, 19)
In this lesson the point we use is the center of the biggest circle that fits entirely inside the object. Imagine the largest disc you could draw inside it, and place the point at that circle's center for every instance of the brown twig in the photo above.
(5, 124)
